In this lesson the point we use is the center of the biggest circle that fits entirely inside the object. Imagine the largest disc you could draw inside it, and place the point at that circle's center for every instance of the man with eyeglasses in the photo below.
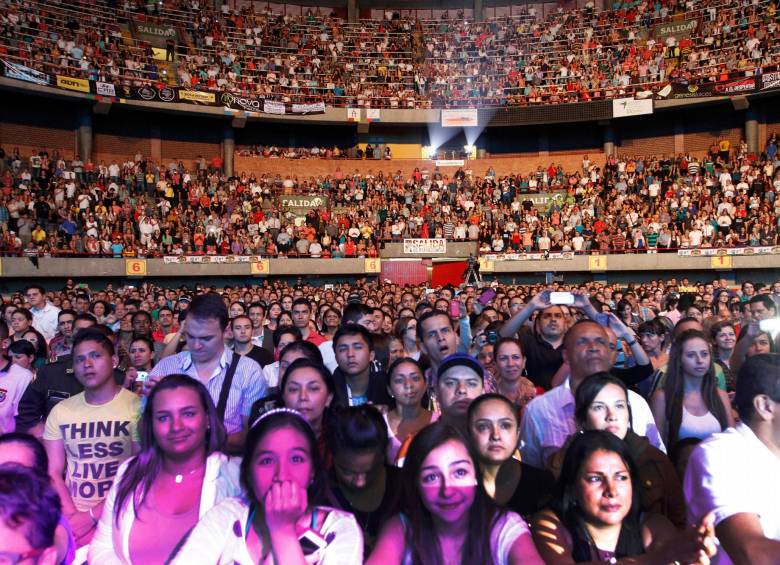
(44, 312)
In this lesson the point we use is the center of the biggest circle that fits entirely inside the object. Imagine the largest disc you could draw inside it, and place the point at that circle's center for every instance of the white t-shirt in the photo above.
(220, 538)
(733, 472)
(13, 383)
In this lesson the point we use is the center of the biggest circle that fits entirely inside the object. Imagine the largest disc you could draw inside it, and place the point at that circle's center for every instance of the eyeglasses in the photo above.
(8, 558)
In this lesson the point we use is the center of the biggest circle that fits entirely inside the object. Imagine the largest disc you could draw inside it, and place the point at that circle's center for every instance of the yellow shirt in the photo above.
(97, 440)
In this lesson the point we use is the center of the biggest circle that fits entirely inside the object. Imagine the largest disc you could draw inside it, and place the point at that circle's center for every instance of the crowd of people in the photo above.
(567, 56)
(379, 423)
(53, 206)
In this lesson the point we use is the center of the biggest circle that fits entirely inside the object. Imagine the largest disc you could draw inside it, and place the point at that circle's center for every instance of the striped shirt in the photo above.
(248, 384)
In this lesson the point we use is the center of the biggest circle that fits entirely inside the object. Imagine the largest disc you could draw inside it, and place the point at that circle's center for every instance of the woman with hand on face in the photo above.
(278, 520)
(601, 403)
(690, 403)
(176, 478)
(448, 517)
(493, 425)
(594, 515)
(406, 384)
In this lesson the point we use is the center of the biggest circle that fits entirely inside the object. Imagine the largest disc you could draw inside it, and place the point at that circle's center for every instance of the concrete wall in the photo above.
(669, 263)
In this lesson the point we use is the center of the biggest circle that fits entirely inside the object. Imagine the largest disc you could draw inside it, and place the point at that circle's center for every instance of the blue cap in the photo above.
(460, 360)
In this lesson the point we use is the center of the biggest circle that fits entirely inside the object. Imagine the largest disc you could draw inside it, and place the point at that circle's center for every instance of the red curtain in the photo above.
(448, 273)
(405, 272)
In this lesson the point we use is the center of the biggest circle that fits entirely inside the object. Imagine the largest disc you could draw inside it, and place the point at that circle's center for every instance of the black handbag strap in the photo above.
(223, 394)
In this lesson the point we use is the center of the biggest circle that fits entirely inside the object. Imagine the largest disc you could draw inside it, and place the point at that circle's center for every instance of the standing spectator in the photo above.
(14, 380)
(44, 312)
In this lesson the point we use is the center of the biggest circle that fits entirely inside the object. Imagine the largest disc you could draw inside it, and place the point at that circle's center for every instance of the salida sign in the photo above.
(303, 202)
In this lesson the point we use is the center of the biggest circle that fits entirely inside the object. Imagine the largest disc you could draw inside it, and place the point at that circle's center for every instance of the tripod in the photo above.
(473, 276)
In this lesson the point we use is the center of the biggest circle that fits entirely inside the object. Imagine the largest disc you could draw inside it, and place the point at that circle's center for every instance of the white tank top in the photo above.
(700, 427)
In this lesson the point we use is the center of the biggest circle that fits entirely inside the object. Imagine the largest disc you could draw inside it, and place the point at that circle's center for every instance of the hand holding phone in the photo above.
(561, 298)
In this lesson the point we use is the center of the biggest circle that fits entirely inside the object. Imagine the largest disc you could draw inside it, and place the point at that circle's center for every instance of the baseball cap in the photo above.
(460, 360)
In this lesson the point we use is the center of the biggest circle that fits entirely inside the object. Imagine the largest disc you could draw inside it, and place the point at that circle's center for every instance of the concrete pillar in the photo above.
(479, 10)
(84, 135)
(353, 11)
(155, 142)
(228, 148)
(751, 130)
(608, 131)
(679, 137)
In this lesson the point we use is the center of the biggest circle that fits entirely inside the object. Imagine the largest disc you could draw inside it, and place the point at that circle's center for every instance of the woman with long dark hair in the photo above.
(175, 479)
(278, 519)
(690, 403)
(448, 517)
(594, 515)
(601, 403)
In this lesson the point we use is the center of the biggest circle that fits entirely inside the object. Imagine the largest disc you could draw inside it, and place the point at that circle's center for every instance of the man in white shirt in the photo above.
(548, 420)
(44, 312)
(733, 474)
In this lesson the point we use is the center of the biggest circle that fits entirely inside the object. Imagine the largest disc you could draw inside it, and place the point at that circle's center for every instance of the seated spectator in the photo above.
(594, 515)
(284, 480)
(176, 478)
(444, 498)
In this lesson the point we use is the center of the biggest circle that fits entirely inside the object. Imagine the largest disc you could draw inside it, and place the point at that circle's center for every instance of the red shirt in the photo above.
(316, 338)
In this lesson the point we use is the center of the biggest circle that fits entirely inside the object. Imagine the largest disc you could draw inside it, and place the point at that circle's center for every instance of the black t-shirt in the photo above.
(533, 490)
(542, 360)
(260, 355)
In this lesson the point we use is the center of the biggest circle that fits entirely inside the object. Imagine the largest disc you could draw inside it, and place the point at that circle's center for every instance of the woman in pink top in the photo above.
(179, 475)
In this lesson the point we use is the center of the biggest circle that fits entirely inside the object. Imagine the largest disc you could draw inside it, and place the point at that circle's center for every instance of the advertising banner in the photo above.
(21, 72)
(316, 108)
(625, 107)
(155, 34)
(272, 107)
(235, 102)
(373, 115)
(770, 80)
(353, 114)
(197, 97)
(105, 89)
(709, 252)
(69, 83)
(436, 246)
(467, 117)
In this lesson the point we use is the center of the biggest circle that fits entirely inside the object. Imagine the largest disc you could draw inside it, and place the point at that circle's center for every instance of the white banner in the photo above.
(450, 162)
(105, 89)
(353, 114)
(317, 108)
(20, 72)
(438, 246)
(467, 117)
(373, 115)
(271, 107)
(712, 251)
(624, 107)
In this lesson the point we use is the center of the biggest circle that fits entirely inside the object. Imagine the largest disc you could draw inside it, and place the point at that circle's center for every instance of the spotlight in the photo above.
(469, 149)
(430, 151)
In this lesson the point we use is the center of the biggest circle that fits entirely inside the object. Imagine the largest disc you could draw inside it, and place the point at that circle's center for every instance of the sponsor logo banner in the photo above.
(105, 89)
(736, 86)
(624, 107)
(197, 97)
(426, 246)
(235, 102)
(450, 162)
(677, 30)
(710, 252)
(272, 107)
(78, 84)
(302, 202)
(459, 118)
(317, 108)
(373, 115)
(680, 91)
(20, 72)
(770, 80)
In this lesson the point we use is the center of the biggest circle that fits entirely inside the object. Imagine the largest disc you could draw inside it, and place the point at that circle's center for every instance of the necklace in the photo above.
(178, 478)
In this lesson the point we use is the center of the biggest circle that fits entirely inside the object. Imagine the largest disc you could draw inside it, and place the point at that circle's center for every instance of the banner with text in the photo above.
(155, 34)
(435, 246)
(678, 30)
(21, 72)
(461, 118)
(625, 107)
(709, 252)
(70, 83)
(207, 259)
(302, 203)
(566, 255)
